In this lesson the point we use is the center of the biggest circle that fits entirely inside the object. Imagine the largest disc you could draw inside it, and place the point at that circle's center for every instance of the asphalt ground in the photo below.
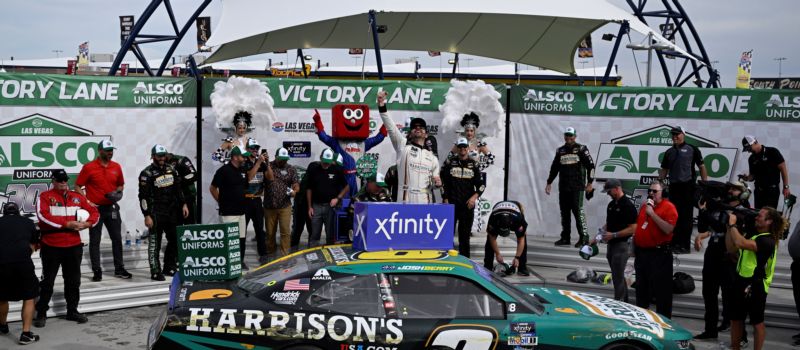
(127, 329)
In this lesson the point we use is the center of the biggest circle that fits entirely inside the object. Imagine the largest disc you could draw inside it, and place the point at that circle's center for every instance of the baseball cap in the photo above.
(677, 130)
(252, 144)
(106, 145)
(747, 142)
(327, 156)
(158, 150)
(611, 183)
(59, 175)
(462, 142)
(570, 131)
(236, 151)
(282, 154)
(339, 159)
(380, 179)
(417, 122)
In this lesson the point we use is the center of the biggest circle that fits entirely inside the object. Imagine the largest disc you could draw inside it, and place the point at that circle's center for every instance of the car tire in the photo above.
(626, 345)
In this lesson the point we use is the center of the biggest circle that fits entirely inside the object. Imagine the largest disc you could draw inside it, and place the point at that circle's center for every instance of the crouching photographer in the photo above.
(719, 267)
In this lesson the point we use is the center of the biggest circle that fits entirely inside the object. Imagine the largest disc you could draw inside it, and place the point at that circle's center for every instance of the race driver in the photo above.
(417, 167)
(507, 217)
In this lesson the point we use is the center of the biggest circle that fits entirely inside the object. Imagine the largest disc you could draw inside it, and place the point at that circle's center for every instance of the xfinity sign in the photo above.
(381, 226)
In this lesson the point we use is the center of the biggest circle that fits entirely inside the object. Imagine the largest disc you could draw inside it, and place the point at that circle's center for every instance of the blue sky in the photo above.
(35, 28)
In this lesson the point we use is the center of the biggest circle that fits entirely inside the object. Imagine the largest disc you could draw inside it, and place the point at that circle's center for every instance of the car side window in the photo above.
(442, 296)
(351, 295)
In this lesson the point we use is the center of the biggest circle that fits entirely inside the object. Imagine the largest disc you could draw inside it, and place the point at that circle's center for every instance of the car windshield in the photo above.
(521, 297)
(280, 270)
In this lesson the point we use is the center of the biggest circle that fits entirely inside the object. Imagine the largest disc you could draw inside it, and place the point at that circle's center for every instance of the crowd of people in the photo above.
(249, 187)
(739, 260)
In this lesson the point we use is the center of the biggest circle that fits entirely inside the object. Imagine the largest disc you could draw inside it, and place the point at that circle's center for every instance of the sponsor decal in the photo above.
(300, 127)
(321, 275)
(364, 347)
(277, 126)
(146, 93)
(564, 310)
(182, 294)
(271, 283)
(352, 94)
(339, 256)
(634, 316)
(285, 298)
(400, 255)
(210, 294)
(291, 72)
(782, 107)
(523, 327)
(298, 149)
(209, 252)
(297, 284)
(418, 268)
(629, 334)
(312, 256)
(548, 101)
(403, 226)
(303, 325)
(523, 340)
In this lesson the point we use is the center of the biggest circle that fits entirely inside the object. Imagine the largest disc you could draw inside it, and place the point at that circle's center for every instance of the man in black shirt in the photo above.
(574, 167)
(327, 186)
(228, 188)
(767, 168)
(461, 178)
(678, 164)
(17, 242)
(620, 225)
(507, 217)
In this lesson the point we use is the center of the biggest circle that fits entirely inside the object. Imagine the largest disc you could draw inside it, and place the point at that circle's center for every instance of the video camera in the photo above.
(716, 198)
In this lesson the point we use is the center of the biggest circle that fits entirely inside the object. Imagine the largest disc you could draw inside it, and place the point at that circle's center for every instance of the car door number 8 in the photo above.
(512, 307)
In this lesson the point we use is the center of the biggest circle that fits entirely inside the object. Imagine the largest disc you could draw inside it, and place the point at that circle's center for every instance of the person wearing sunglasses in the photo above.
(653, 264)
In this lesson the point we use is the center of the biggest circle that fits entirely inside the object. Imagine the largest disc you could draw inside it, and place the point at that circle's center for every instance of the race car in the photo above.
(335, 298)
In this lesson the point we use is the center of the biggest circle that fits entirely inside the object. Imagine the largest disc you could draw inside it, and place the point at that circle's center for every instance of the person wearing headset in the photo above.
(719, 269)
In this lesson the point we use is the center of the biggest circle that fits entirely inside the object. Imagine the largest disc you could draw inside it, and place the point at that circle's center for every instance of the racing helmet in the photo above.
(504, 269)
(588, 251)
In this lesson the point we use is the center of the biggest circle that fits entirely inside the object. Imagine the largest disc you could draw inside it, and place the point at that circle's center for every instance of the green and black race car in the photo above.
(335, 298)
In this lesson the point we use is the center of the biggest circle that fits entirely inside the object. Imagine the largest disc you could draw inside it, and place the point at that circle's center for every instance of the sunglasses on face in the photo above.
(653, 191)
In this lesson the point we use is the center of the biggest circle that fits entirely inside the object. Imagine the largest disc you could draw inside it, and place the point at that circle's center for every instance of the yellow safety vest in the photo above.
(747, 263)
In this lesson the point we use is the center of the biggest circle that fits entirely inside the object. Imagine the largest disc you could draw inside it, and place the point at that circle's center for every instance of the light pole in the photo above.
(649, 47)
(583, 63)
(780, 62)
(57, 52)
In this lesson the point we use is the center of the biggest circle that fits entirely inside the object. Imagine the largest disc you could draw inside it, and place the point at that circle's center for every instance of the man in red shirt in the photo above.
(62, 215)
(653, 265)
(103, 182)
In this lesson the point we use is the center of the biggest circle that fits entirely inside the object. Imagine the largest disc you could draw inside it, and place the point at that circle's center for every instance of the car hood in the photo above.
(572, 306)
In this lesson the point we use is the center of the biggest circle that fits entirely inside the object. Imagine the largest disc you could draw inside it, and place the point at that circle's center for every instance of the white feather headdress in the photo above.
(239, 94)
(465, 97)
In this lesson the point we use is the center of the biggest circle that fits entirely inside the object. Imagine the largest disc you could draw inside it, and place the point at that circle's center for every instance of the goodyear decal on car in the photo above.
(278, 323)
(634, 316)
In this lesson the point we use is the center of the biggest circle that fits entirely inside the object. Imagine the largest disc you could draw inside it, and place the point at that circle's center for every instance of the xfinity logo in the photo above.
(394, 225)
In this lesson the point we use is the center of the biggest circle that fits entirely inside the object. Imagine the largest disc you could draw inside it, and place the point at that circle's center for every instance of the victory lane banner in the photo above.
(209, 252)
(383, 226)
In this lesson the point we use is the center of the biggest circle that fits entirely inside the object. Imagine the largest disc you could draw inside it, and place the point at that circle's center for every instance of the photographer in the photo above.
(18, 241)
(755, 269)
(719, 270)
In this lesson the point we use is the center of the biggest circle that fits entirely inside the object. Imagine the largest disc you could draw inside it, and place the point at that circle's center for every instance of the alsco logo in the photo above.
(158, 93)
(548, 101)
(782, 107)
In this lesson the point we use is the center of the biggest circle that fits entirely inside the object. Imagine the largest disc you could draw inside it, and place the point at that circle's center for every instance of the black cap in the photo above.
(418, 122)
(10, 208)
(59, 175)
(611, 183)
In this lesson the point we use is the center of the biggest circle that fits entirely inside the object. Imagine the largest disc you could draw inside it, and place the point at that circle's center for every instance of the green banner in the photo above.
(694, 103)
(95, 91)
(308, 93)
(209, 252)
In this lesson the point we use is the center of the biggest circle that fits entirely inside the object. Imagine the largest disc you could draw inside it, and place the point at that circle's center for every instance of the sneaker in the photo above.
(523, 272)
(245, 267)
(124, 274)
(705, 335)
(157, 277)
(28, 337)
(97, 276)
(562, 242)
(40, 320)
(169, 271)
(724, 326)
(4, 328)
(76, 316)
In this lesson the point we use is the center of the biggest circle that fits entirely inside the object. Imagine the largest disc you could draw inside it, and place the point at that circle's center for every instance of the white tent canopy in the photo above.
(543, 33)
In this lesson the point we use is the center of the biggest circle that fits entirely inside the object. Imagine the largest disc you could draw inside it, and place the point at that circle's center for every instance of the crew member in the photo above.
(228, 188)
(374, 191)
(257, 168)
(280, 189)
(574, 167)
(767, 168)
(620, 225)
(161, 199)
(794, 252)
(300, 219)
(60, 220)
(327, 186)
(463, 184)
(679, 163)
(755, 269)
(188, 174)
(653, 262)
(103, 182)
(417, 167)
(17, 242)
(507, 217)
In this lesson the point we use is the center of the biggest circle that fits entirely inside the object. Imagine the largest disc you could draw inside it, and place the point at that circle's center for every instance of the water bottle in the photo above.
(128, 239)
(138, 238)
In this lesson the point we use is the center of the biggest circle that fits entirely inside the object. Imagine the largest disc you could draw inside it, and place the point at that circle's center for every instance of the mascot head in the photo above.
(350, 122)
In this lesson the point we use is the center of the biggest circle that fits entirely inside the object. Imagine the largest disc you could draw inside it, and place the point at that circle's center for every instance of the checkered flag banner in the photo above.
(746, 61)
(745, 67)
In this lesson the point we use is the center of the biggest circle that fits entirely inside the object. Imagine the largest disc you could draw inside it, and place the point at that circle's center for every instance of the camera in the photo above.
(716, 198)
